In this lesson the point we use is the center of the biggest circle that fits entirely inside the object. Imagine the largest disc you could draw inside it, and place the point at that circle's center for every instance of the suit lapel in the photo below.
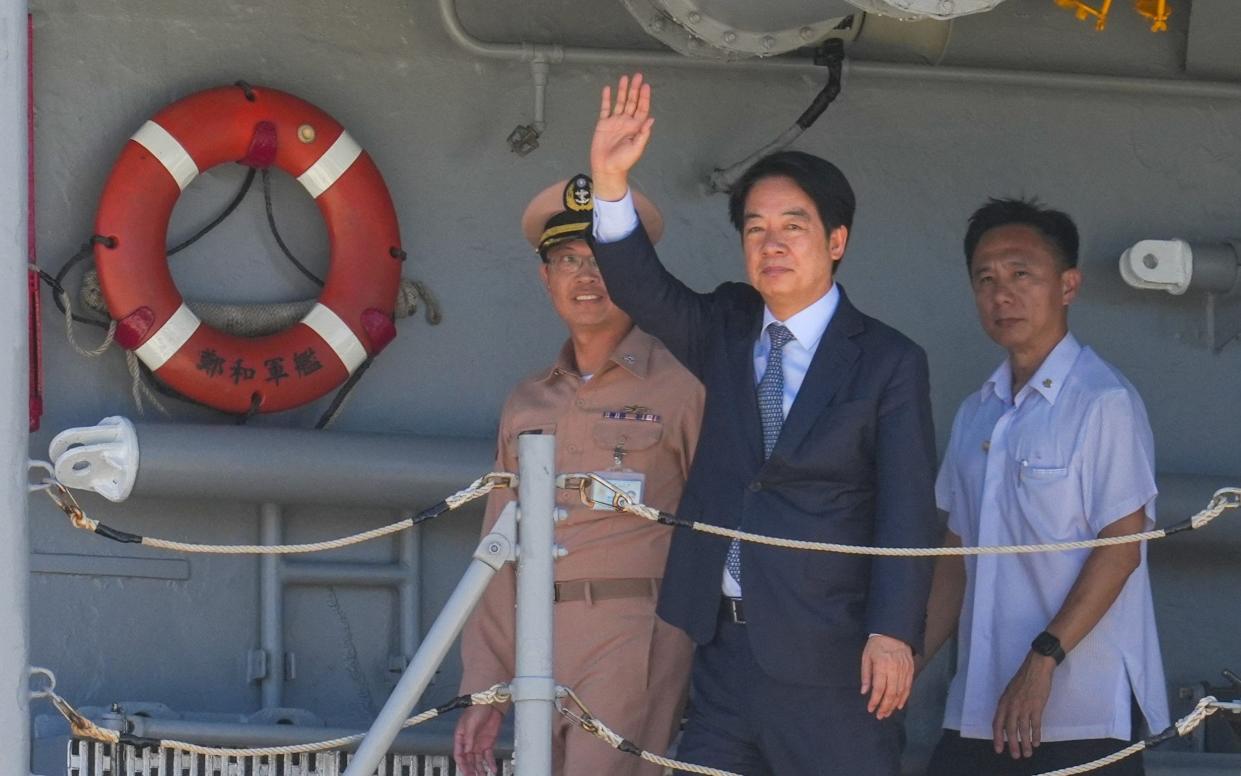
(829, 370)
(740, 348)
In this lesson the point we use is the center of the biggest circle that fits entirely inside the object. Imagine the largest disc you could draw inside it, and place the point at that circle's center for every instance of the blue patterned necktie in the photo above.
(771, 413)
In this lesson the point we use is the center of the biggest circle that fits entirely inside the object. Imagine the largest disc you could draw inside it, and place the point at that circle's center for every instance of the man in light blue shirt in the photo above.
(1056, 648)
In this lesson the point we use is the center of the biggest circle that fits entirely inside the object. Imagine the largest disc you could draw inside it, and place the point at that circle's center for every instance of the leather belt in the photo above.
(591, 590)
(732, 610)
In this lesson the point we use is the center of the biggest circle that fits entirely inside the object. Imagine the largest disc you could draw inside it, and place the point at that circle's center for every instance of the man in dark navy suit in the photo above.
(817, 426)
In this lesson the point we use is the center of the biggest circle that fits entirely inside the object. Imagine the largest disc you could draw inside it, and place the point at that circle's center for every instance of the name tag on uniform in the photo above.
(603, 498)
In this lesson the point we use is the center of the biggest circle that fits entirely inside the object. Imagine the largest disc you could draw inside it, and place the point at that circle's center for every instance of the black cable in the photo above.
(832, 55)
(256, 401)
(246, 89)
(342, 394)
(241, 194)
(460, 702)
(57, 283)
(271, 221)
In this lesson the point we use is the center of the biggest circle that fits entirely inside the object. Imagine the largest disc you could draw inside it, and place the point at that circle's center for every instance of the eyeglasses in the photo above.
(571, 263)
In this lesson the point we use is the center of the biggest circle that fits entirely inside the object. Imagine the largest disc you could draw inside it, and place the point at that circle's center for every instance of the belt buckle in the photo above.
(736, 611)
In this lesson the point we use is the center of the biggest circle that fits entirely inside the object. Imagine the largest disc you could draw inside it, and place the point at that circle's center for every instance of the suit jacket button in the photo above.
(756, 486)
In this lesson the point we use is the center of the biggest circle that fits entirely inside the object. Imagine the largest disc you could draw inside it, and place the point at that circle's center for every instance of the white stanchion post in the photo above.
(534, 687)
(14, 393)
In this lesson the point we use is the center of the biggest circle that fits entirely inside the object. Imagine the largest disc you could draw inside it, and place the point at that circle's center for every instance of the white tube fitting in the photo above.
(1158, 265)
(102, 458)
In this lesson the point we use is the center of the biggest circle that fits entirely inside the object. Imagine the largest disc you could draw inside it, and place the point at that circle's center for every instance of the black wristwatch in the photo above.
(1049, 646)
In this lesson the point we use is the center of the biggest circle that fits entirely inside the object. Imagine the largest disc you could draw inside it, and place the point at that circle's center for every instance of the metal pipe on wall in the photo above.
(327, 573)
(630, 58)
(429, 739)
(271, 607)
(409, 592)
(346, 469)
(14, 388)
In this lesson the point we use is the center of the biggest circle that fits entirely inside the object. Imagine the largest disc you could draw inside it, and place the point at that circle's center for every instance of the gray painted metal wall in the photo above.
(921, 156)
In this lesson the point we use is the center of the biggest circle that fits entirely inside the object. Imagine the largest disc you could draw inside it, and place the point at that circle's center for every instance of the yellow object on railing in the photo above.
(1157, 11)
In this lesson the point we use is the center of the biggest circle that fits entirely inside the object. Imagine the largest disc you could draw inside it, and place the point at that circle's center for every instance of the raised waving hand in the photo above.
(621, 135)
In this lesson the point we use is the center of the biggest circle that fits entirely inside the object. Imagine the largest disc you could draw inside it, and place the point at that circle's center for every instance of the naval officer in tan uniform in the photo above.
(621, 405)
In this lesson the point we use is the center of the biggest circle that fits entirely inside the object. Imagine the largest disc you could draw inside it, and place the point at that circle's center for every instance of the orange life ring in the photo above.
(352, 319)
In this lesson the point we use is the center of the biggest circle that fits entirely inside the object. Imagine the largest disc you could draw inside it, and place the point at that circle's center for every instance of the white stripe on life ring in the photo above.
(333, 164)
(328, 325)
(170, 338)
(169, 151)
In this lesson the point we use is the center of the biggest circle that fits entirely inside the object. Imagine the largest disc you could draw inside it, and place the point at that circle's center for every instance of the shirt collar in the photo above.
(633, 353)
(1048, 379)
(808, 325)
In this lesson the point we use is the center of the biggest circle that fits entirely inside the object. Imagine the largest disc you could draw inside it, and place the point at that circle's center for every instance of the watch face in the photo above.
(1047, 645)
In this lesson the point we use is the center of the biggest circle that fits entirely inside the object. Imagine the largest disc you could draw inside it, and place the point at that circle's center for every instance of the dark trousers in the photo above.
(957, 756)
(744, 721)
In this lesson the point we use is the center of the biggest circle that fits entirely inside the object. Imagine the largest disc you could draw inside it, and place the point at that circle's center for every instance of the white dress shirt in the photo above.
(1067, 456)
(616, 220)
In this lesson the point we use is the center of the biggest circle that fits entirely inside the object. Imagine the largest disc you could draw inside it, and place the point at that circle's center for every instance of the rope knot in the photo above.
(1205, 708)
(497, 693)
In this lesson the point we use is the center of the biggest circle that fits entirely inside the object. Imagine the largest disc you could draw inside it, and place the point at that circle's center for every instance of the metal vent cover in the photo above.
(925, 9)
(92, 758)
(738, 29)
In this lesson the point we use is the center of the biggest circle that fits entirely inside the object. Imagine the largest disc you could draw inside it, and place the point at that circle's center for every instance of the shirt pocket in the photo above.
(630, 436)
(1049, 499)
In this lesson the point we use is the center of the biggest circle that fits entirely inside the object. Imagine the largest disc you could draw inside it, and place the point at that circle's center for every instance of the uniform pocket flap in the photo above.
(612, 433)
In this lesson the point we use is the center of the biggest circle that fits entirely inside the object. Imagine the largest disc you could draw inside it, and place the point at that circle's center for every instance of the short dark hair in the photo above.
(823, 182)
(1055, 226)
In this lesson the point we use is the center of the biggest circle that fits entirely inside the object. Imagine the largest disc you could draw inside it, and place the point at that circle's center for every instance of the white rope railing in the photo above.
(64, 500)
(583, 719)
(1223, 500)
(83, 727)
(1182, 727)
(586, 721)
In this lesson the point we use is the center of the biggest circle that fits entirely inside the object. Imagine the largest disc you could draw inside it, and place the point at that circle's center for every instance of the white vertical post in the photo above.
(14, 392)
(534, 687)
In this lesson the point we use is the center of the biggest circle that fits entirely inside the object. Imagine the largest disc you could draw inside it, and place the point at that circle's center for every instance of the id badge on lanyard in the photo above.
(627, 481)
